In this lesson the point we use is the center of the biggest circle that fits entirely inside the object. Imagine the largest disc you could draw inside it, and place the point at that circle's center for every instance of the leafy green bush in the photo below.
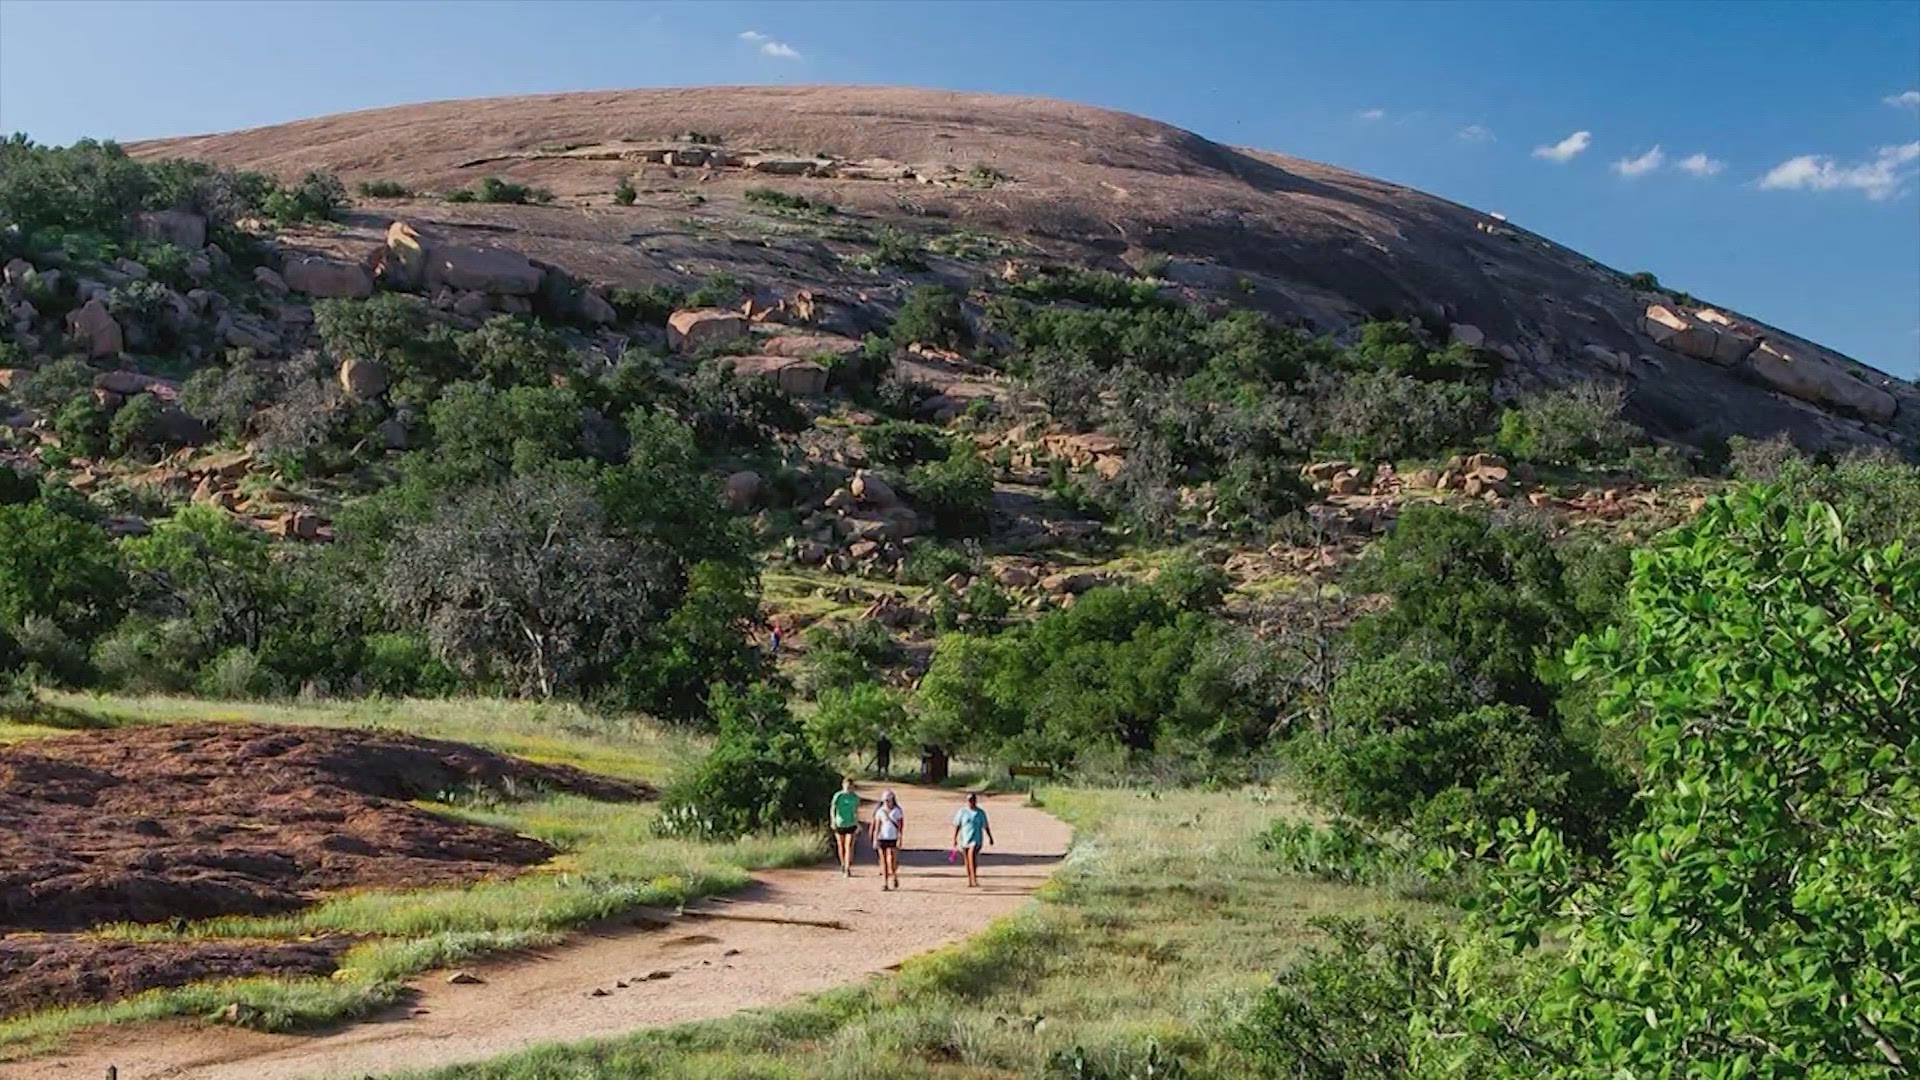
(1401, 349)
(623, 192)
(144, 655)
(957, 492)
(135, 424)
(58, 567)
(317, 197)
(506, 351)
(50, 655)
(492, 189)
(762, 774)
(981, 608)
(849, 720)
(931, 315)
(929, 563)
(384, 189)
(56, 384)
(403, 665)
(1096, 287)
(1385, 415)
(787, 201)
(1579, 426)
(400, 332)
(82, 425)
(718, 290)
(894, 248)
(224, 399)
(650, 305)
(841, 655)
(1754, 923)
(904, 444)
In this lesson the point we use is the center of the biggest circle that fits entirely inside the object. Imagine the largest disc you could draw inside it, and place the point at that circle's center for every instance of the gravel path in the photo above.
(792, 933)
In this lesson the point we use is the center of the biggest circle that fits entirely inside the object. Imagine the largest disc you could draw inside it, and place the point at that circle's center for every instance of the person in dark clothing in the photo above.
(883, 754)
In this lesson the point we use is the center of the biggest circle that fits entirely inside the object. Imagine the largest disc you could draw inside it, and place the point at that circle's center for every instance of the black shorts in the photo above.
(887, 845)
(845, 830)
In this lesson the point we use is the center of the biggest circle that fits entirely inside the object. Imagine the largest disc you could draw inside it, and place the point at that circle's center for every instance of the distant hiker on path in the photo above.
(846, 822)
(883, 754)
(969, 828)
(888, 823)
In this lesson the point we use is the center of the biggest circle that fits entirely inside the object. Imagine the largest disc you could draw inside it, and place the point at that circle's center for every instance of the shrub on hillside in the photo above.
(1386, 415)
(492, 189)
(840, 655)
(1578, 426)
(650, 305)
(931, 315)
(957, 492)
(58, 567)
(383, 189)
(623, 192)
(53, 385)
(761, 774)
(135, 425)
(904, 444)
(81, 425)
(317, 197)
(225, 399)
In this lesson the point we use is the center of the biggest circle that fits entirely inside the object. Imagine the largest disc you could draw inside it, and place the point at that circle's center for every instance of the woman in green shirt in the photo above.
(846, 822)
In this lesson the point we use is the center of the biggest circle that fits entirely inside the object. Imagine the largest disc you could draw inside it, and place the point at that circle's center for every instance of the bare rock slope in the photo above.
(1025, 178)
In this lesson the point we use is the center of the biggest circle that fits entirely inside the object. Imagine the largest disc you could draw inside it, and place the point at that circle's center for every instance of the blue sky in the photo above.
(1803, 208)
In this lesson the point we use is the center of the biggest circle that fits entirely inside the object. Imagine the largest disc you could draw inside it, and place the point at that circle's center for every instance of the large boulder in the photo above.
(806, 346)
(801, 378)
(18, 272)
(873, 491)
(94, 328)
(1715, 340)
(565, 297)
(363, 380)
(270, 280)
(181, 228)
(330, 278)
(693, 329)
(742, 489)
(487, 270)
(1811, 378)
(403, 264)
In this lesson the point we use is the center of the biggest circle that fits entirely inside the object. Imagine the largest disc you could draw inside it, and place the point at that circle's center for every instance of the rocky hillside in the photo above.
(989, 183)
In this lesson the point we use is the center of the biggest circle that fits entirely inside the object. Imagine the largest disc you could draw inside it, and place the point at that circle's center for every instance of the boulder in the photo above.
(175, 426)
(1813, 379)
(180, 228)
(873, 491)
(403, 263)
(806, 346)
(363, 380)
(594, 308)
(133, 270)
(487, 270)
(18, 272)
(473, 305)
(1346, 483)
(1016, 577)
(801, 378)
(1467, 334)
(91, 326)
(1715, 341)
(564, 297)
(395, 433)
(1324, 471)
(1072, 584)
(810, 553)
(742, 489)
(270, 281)
(693, 329)
(330, 278)
(13, 378)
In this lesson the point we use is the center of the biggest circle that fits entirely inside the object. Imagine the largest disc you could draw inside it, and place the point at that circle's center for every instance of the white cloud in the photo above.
(1699, 165)
(770, 46)
(1371, 114)
(1908, 100)
(1477, 133)
(1641, 165)
(1566, 149)
(1881, 178)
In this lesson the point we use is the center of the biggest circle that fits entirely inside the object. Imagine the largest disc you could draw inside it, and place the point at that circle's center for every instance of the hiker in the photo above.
(889, 821)
(773, 639)
(883, 755)
(846, 822)
(969, 829)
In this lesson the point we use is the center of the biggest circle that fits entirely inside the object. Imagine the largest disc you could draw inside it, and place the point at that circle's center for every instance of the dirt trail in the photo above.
(719, 959)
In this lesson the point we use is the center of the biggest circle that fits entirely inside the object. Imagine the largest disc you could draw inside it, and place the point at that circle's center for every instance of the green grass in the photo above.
(1161, 926)
(610, 863)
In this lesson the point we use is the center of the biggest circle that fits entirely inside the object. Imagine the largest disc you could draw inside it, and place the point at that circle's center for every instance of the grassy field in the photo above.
(610, 863)
(1164, 921)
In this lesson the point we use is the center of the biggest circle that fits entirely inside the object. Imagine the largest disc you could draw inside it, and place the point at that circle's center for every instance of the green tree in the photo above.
(58, 567)
(848, 721)
(1759, 920)
(761, 774)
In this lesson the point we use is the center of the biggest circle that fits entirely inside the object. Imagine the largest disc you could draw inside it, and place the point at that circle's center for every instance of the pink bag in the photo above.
(953, 854)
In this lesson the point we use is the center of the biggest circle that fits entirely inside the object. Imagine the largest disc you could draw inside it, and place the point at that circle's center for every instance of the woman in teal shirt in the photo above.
(969, 829)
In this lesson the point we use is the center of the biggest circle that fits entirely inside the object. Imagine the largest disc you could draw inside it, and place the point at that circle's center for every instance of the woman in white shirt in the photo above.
(888, 823)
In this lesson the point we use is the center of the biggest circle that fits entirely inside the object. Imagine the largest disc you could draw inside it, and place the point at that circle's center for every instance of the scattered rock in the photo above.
(1071, 583)
(1017, 577)
(465, 978)
(598, 992)
(1467, 334)
(655, 976)
(1347, 483)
